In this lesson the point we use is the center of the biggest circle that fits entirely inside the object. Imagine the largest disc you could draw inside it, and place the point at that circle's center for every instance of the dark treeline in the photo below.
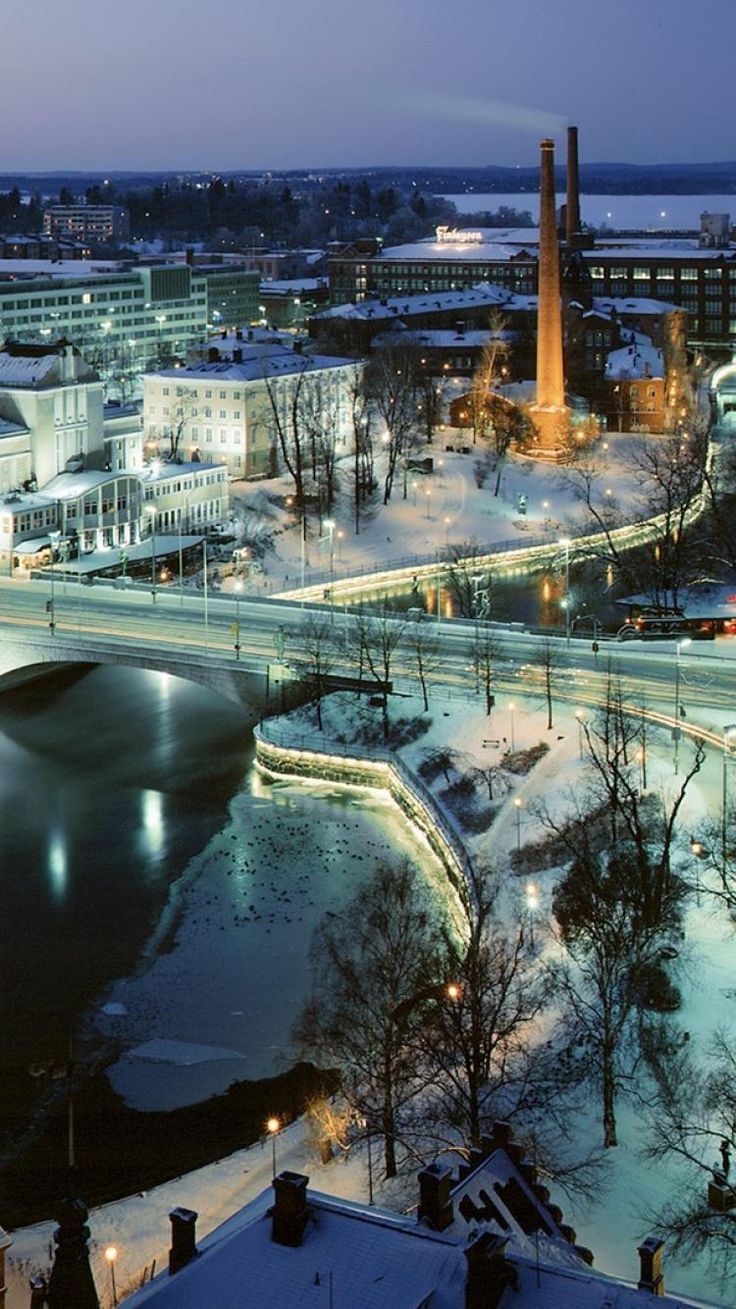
(239, 212)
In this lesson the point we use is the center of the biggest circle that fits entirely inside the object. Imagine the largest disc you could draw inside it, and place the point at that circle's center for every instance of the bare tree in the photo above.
(375, 962)
(363, 453)
(390, 381)
(380, 639)
(314, 658)
(547, 660)
(476, 1037)
(424, 649)
(285, 400)
(692, 1120)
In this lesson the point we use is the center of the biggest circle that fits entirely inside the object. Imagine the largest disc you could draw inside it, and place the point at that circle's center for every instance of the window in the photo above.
(164, 390)
(223, 413)
(223, 395)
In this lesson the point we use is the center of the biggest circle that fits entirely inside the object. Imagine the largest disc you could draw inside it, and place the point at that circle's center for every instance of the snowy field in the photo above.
(634, 213)
(444, 508)
(231, 962)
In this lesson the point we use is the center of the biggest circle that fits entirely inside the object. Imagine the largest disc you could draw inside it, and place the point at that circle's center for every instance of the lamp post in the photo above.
(363, 1122)
(512, 708)
(151, 511)
(517, 806)
(428, 494)
(448, 522)
(580, 716)
(329, 523)
(273, 1126)
(111, 1255)
(238, 590)
(729, 740)
(566, 542)
(679, 645)
(532, 903)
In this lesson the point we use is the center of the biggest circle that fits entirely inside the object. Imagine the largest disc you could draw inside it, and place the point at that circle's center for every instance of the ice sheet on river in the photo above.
(183, 1053)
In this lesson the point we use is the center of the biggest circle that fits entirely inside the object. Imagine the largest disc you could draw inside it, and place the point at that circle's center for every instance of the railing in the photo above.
(397, 774)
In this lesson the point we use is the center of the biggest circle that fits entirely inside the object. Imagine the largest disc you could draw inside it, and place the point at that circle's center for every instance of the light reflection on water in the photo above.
(110, 781)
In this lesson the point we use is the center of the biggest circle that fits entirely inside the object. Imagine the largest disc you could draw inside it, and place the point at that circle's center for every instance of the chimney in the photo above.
(289, 1211)
(237, 356)
(548, 411)
(183, 1238)
(71, 1285)
(38, 1292)
(651, 1256)
(435, 1205)
(213, 354)
(489, 1273)
(238, 334)
(298, 347)
(5, 1241)
(572, 208)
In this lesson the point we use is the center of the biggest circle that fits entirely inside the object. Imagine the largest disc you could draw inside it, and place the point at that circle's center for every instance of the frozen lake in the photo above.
(651, 213)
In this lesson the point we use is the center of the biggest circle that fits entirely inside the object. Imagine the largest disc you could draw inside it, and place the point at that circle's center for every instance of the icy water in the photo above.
(110, 781)
(159, 897)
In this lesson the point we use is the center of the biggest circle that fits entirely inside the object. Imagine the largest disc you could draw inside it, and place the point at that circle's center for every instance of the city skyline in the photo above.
(478, 83)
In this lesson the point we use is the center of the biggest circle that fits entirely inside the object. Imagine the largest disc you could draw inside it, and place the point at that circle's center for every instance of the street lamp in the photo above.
(448, 522)
(330, 524)
(111, 1255)
(679, 645)
(581, 719)
(517, 806)
(151, 511)
(729, 749)
(238, 587)
(512, 707)
(428, 494)
(532, 903)
(273, 1126)
(566, 542)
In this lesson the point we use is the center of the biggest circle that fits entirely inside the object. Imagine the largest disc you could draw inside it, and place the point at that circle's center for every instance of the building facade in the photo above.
(136, 315)
(96, 224)
(53, 402)
(229, 411)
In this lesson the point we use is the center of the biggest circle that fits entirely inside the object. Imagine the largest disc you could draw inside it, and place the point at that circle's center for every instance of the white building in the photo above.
(228, 411)
(51, 404)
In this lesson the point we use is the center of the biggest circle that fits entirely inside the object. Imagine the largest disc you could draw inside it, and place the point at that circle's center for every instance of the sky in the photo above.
(274, 84)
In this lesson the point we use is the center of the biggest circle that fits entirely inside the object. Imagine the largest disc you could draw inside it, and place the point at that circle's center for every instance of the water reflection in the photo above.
(101, 808)
(57, 864)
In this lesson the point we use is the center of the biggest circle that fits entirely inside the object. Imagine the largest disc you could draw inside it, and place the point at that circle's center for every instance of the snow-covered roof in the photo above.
(404, 306)
(25, 370)
(634, 362)
(497, 246)
(351, 1257)
(636, 305)
(281, 364)
(27, 268)
(65, 486)
(8, 429)
(292, 285)
(437, 339)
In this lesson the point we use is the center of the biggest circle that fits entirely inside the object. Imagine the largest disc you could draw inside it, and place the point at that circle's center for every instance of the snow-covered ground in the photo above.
(232, 960)
(444, 508)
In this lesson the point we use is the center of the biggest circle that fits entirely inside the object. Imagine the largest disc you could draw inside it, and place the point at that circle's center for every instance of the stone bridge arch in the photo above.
(25, 657)
(723, 394)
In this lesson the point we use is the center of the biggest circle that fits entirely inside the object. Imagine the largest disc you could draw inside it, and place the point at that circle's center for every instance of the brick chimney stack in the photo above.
(548, 412)
(289, 1212)
(651, 1274)
(183, 1238)
(572, 209)
(435, 1205)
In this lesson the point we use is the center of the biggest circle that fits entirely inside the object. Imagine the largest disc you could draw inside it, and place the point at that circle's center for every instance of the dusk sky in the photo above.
(139, 84)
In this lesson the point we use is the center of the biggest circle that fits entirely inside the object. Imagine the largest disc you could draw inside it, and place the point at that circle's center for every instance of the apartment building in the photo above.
(228, 411)
(96, 224)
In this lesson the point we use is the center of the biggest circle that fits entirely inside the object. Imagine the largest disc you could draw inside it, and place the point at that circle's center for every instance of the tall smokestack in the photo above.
(572, 210)
(549, 410)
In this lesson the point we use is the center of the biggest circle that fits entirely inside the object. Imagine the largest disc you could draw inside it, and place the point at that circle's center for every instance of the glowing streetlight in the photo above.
(111, 1255)
(531, 893)
(517, 806)
(566, 543)
(679, 645)
(273, 1127)
(448, 522)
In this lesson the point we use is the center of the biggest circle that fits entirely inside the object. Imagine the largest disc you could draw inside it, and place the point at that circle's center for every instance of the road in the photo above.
(175, 623)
